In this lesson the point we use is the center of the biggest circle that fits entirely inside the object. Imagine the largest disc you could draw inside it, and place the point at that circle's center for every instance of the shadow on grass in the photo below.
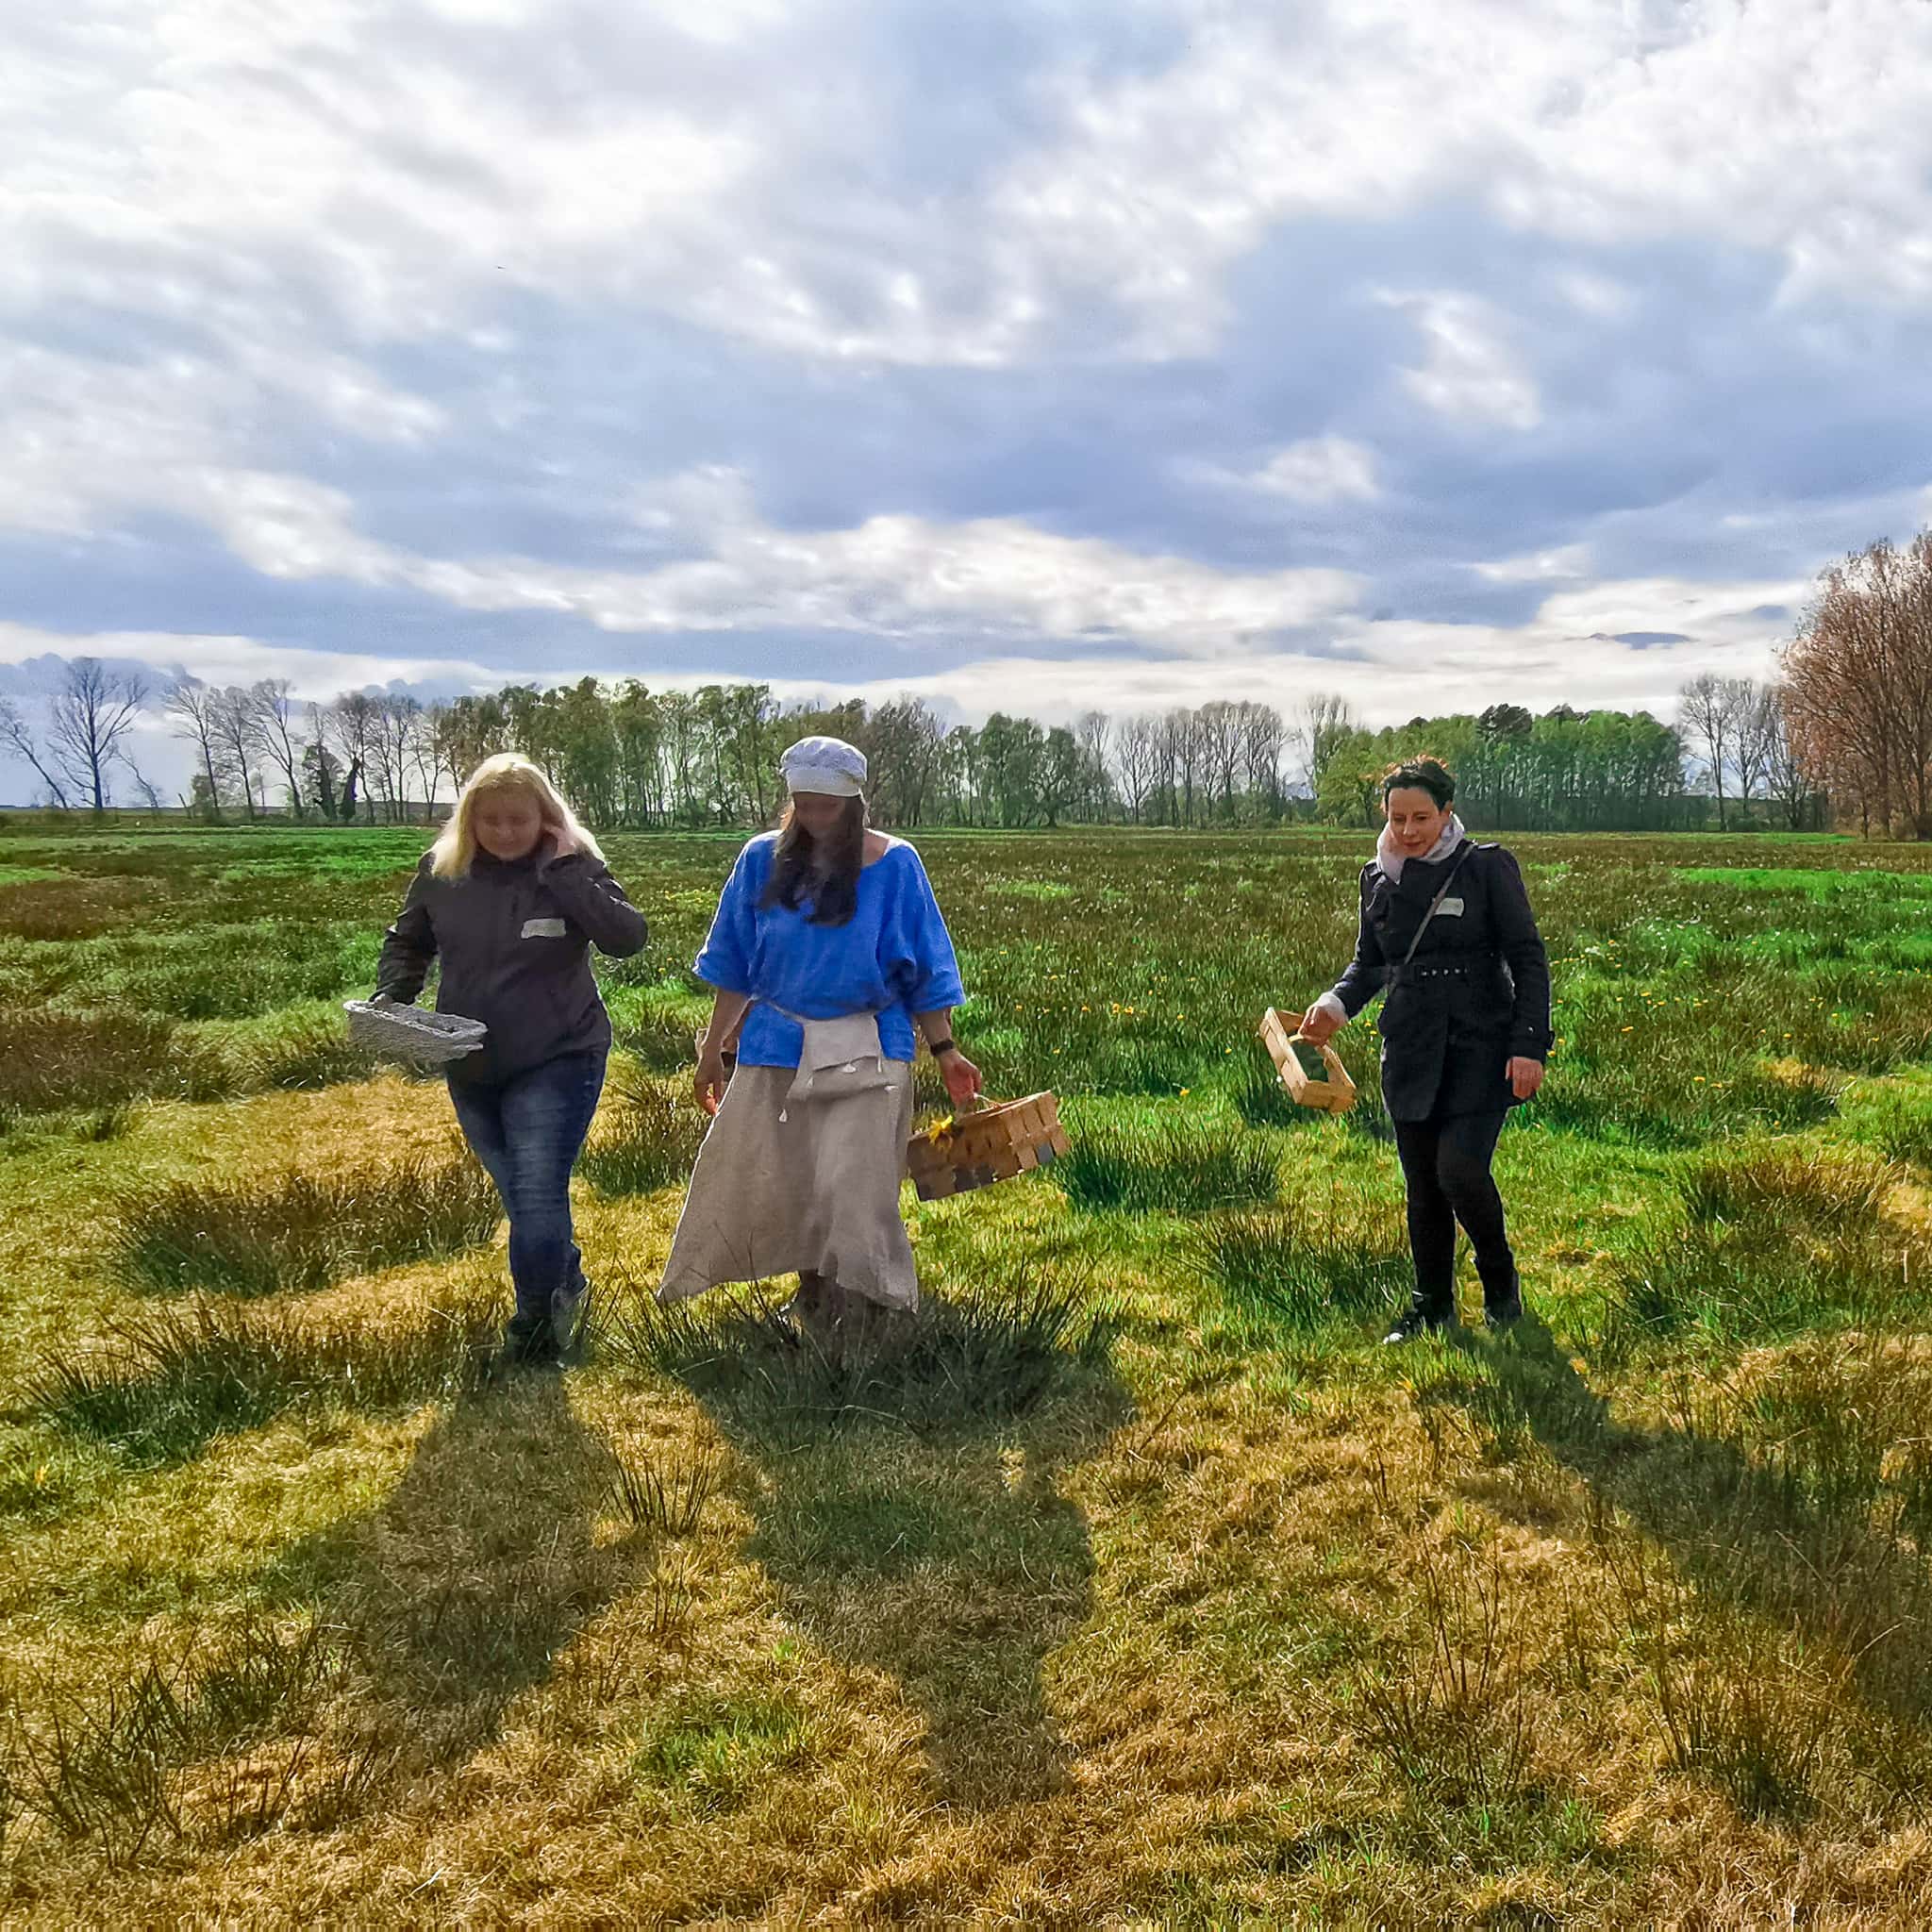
(910, 1513)
(480, 1568)
(1769, 1542)
(387, 1650)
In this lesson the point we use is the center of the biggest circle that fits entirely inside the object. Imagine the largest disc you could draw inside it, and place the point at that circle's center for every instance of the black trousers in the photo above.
(1445, 1165)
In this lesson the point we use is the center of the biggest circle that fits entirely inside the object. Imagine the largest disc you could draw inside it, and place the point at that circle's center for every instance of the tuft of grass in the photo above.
(1165, 1168)
(714, 1753)
(103, 1768)
(1307, 1263)
(1740, 1705)
(1832, 1189)
(647, 1141)
(668, 1498)
(51, 1059)
(961, 1359)
(174, 1379)
(1449, 1709)
(302, 1231)
(661, 1038)
(1768, 1240)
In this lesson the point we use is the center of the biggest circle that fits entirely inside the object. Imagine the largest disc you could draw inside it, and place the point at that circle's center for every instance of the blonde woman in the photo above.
(831, 959)
(511, 898)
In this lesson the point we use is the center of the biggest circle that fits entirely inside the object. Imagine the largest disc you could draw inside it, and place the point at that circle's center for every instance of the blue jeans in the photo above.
(526, 1133)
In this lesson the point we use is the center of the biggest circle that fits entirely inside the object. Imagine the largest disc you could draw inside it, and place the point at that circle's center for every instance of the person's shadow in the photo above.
(462, 1590)
(912, 1521)
(1741, 1529)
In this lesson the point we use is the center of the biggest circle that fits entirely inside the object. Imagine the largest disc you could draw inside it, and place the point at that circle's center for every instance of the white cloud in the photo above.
(1566, 561)
(1320, 469)
(313, 675)
(1468, 377)
(238, 166)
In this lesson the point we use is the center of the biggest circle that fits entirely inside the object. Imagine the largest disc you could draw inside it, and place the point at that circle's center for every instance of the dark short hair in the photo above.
(1421, 775)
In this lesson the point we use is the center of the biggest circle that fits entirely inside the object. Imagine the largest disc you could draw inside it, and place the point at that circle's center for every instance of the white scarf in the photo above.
(1388, 861)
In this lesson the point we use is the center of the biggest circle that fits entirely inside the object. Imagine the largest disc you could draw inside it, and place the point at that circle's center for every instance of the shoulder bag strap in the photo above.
(1462, 852)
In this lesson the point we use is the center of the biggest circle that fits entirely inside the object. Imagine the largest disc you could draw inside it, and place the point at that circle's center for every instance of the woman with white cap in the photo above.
(830, 960)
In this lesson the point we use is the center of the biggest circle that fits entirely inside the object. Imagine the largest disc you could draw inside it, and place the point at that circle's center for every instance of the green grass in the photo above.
(1131, 1580)
(296, 1232)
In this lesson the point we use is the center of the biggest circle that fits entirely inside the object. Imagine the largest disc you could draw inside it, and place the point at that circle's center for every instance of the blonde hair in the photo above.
(507, 771)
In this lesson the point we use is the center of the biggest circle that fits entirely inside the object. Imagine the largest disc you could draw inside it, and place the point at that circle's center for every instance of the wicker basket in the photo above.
(991, 1144)
(412, 1033)
(1330, 1090)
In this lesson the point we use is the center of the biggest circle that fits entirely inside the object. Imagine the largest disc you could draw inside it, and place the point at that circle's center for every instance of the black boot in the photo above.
(1422, 1318)
(528, 1341)
(1502, 1296)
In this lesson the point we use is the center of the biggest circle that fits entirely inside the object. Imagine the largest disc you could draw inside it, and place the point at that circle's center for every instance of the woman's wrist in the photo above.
(939, 1048)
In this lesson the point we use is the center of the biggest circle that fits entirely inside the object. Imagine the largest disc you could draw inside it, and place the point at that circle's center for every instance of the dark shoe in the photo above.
(1503, 1314)
(570, 1319)
(1414, 1321)
(529, 1342)
(818, 1312)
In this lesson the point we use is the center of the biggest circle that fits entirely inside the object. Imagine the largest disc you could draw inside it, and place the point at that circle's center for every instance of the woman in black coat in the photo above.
(1447, 932)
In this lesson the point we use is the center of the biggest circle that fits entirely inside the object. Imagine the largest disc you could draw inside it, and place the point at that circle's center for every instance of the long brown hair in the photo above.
(826, 871)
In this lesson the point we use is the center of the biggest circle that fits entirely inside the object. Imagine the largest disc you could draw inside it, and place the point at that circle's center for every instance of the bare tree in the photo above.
(1710, 714)
(17, 735)
(1786, 783)
(1093, 733)
(1134, 761)
(192, 706)
(425, 751)
(276, 735)
(1325, 718)
(355, 717)
(1261, 735)
(1760, 726)
(1859, 685)
(237, 733)
(91, 713)
(1219, 723)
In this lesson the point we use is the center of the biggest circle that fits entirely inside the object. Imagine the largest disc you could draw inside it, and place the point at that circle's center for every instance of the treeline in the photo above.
(630, 757)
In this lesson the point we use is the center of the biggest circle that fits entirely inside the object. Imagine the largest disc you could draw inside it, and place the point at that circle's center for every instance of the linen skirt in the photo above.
(811, 1187)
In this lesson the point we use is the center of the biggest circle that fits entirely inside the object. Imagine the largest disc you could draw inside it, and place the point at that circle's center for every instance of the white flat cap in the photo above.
(824, 764)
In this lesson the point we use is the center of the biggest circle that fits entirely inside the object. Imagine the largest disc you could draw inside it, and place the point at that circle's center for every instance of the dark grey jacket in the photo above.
(1476, 994)
(515, 943)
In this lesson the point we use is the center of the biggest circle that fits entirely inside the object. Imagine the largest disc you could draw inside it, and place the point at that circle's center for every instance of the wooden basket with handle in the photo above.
(983, 1144)
(1313, 1074)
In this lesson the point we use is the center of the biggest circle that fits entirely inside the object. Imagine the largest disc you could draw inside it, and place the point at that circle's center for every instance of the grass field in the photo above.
(1133, 1582)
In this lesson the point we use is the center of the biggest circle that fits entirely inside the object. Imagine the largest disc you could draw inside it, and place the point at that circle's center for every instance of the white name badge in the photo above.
(1449, 909)
(553, 928)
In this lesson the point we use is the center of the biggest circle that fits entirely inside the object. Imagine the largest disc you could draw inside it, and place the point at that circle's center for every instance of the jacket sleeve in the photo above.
(1367, 969)
(592, 900)
(1521, 947)
(409, 944)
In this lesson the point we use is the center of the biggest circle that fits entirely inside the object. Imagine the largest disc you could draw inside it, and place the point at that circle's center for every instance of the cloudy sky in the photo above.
(1033, 352)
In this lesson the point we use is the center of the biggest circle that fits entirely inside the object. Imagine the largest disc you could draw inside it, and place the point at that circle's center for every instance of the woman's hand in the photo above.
(558, 843)
(961, 1076)
(1320, 1025)
(1524, 1076)
(707, 1085)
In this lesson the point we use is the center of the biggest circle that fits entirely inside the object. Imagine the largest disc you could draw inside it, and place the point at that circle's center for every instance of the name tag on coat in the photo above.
(553, 928)
(1449, 909)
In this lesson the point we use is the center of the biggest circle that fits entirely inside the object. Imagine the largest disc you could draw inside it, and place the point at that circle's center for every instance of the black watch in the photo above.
(937, 1047)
